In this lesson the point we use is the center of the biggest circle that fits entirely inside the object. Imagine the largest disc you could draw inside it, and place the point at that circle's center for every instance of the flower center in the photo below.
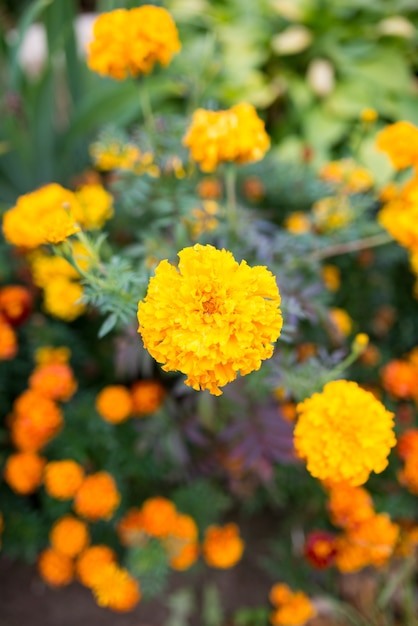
(209, 306)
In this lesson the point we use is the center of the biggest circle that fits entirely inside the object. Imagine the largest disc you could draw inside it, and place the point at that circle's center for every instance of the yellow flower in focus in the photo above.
(62, 299)
(114, 404)
(236, 135)
(331, 213)
(400, 142)
(297, 223)
(63, 478)
(222, 546)
(331, 276)
(55, 568)
(131, 42)
(341, 320)
(347, 175)
(40, 217)
(69, 535)
(344, 433)
(97, 498)
(91, 561)
(23, 472)
(95, 206)
(116, 589)
(210, 318)
(292, 608)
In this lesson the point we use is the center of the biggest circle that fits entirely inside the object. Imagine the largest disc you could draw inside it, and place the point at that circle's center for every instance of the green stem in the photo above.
(350, 246)
(146, 107)
(231, 197)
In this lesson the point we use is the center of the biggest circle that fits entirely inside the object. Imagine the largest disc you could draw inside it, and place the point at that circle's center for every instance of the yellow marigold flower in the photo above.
(400, 142)
(62, 479)
(368, 116)
(210, 318)
(203, 219)
(8, 340)
(147, 396)
(130, 528)
(114, 404)
(119, 155)
(297, 223)
(344, 433)
(43, 216)
(55, 568)
(116, 589)
(49, 354)
(400, 215)
(293, 608)
(23, 472)
(158, 516)
(331, 276)
(69, 535)
(222, 546)
(55, 381)
(130, 42)
(347, 175)
(36, 420)
(95, 206)
(348, 505)
(90, 563)
(331, 213)
(62, 299)
(97, 498)
(15, 304)
(47, 268)
(370, 542)
(341, 320)
(236, 134)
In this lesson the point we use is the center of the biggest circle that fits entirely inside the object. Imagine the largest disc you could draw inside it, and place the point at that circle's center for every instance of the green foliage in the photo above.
(149, 564)
(203, 500)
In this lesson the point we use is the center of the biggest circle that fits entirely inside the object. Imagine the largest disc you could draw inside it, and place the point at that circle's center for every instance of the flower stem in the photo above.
(146, 108)
(231, 197)
(350, 246)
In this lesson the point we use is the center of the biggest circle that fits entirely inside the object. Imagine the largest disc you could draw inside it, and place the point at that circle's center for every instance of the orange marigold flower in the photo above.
(43, 216)
(408, 475)
(182, 543)
(8, 340)
(222, 546)
(158, 516)
(116, 589)
(95, 206)
(131, 42)
(400, 215)
(253, 189)
(320, 549)
(400, 142)
(331, 276)
(400, 378)
(62, 479)
(348, 505)
(91, 561)
(298, 223)
(147, 396)
(408, 444)
(370, 542)
(209, 188)
(114, 404)
(55, 381)
(35, 422)
(23, 472)
(210, 318)
(344, 433)
(236, 134)
(69, 535)
(293, 608)
(348, 175)
(55, 568)
(130, 528)
(97, 498)
(15, 304)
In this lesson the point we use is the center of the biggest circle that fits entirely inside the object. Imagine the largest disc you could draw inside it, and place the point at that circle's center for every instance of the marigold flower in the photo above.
(49, 354)
(298, 223)
(331, 213)
(97, 498)
(95, 206)
(400, 215)
(344, 433)
(253, 189)
(203, 219)
(47, 268)
(400, 378)
(36, 420)
(120, 155)
(370, 542)
(116, 589)
(408, 444)
(348, 505)
(347, 175)
(341, 320)
(293, 608)
(55, 568)
(114, 404)
(90, 563)
(62, 479)
(210, 318)
(69, 535)
(408, 475)
(236, 134)
(331, 276)
(209, 188)
(55, 381)
(8, 340)
(15, 304)
(130, 42)
(280, 593)
(320, 549)
(23, 472)
(62, 299)
(368, 116)
(182, 543)
(147, 396)
(42, 216)
(158, 516)
(222, 546)
(400, 142)
(130, 528)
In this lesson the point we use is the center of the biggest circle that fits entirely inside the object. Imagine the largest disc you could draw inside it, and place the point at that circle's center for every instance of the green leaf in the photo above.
(107, 325)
